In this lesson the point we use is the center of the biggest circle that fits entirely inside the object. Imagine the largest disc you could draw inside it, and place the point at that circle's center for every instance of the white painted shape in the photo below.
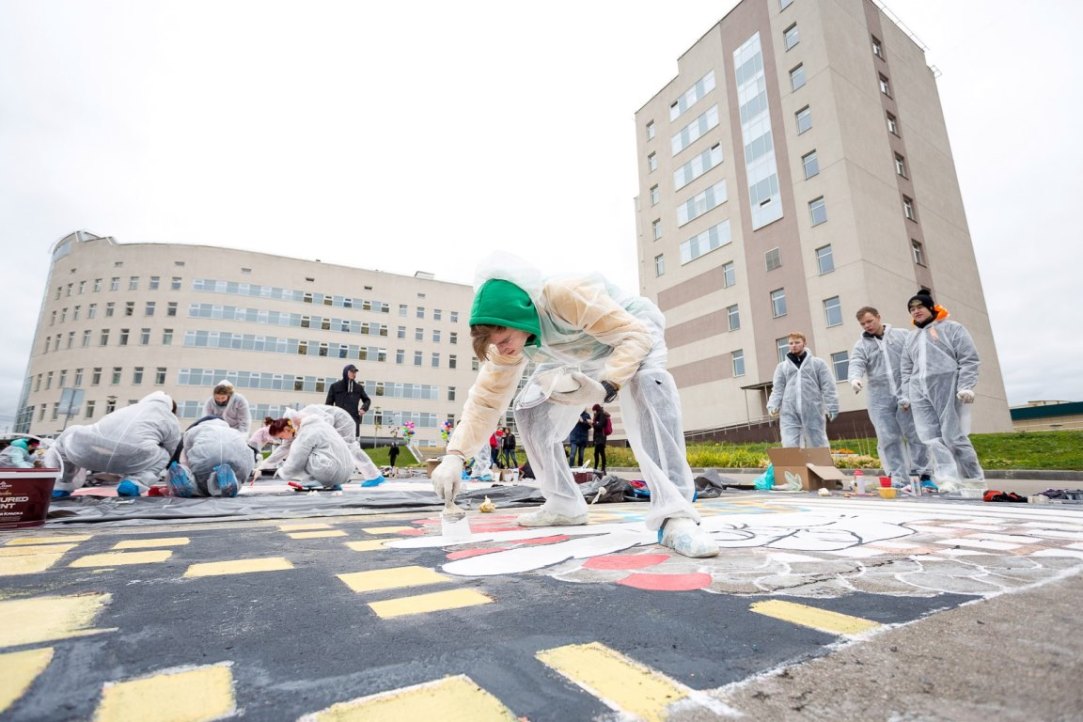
(1058, 553)
(859, 552)
(544, 555)
(1054, 534)
(1010, 538)
(788, 558)
(958, 553)
(978, 544)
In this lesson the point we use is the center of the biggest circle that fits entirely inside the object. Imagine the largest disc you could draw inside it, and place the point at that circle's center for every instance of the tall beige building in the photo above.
(119, 321)
(796, 169)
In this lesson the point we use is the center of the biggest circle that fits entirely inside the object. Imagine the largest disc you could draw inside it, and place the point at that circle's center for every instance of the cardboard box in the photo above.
(815, 467)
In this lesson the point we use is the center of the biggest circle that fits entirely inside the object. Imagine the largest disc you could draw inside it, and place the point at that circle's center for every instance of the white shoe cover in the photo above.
(685, 537)
(546, 517)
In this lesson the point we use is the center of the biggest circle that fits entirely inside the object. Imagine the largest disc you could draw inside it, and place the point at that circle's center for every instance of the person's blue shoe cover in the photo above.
(227, 480)
(181, 482)
(61, 494)
(127, 488)
(374, 482)
(336, 487)
(928, 484)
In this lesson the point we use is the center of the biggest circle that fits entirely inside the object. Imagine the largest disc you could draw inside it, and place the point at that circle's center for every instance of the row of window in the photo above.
(123, 338)
(95, 375)
(109, 310)
(80, 287)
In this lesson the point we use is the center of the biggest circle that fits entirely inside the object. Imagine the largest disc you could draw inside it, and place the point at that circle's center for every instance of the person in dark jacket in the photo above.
(349, 395)
(578, 439)
(393, 453)
(507, 447)
(599, 424)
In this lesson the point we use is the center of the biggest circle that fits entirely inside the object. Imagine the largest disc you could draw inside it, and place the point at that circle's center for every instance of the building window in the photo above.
(129, 308)
(656, 228)
(110, 404)
(96, 376)
(435, 360)
(797, 77)
(454, 317)
(144, 337)
(703, 202)
(97, 285)
(474, 364)
(919, 252)
(71, 339)
(739, 362)
(436, 335)
(90, 409)
(104, 340)
(109, 308)
(149, 311)
(706, 241)
(421, 312)
(171, 309)
(804, 119)
(733, 317)
(75, 313)
(419, 358)
(655, 195)
(91, 311)
(419, 334)
(175, 283)
(48, 380)
(783, 4)
(114, 283)
(877, 47)
(402, 310)
(437, 314)
(659, 264)
(133, 283)
(116, 375)
(137, 375)
(811, 164)
(729, 274)
(778, 302)
(78, 378)
(908, 208)
(452, 361)
(652, 163)
(696, 167)
(450, 393)
(900, 165)
(791, 36)
(400, 356)
(825, 259)
(154, 282)
(159, 375)
(817, 211)
(167, 336)
(650, 130)
(86, 337)
(453, 337)
(833, 311)
(840, 362)
(782, 347)
(885, 85)
(694, 130)
(773, 259)
(892, 124)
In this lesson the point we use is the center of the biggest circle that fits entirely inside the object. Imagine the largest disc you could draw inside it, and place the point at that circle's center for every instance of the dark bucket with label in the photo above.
(25, 495)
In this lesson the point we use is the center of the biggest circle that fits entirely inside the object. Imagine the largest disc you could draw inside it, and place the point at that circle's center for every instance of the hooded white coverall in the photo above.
(938, 361)
(346, 427)
(211, 443)
(318, 453)
(803, 396)
(589, 325)
(234, 412)
(880, 360)
(135, 442)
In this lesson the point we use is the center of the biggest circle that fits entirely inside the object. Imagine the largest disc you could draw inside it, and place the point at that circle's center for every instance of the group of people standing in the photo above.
(596, 427)
(920, 385)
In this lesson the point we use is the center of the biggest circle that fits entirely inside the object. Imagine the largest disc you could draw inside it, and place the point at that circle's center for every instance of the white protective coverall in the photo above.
(880, 360)
(210, 443)
(589, 325)
(318, 453)
(16, 456)
(938, 361)
(803, 396)
(346, 427)
(135, 442)
(234, 412)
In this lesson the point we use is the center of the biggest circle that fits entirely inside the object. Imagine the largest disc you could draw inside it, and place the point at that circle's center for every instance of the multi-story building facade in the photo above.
(118, 321)
(796, 169)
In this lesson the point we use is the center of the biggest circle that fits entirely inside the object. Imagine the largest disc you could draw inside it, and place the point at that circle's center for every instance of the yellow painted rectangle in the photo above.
(239, 566)
(18, 670)
(622, 683)
(29, 550)
(423, 603)
(70, 539)
(303, 527)
(388, 529)
(317, 534)
(42, 619)
(117, 559)
(369, 545)
(821, 619)
(395, 578)
(452, 699)
(16, 565)
(172, 541)
(192, 695)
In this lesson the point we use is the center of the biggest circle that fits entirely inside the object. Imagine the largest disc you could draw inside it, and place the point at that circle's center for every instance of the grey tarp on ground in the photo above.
(151, 509)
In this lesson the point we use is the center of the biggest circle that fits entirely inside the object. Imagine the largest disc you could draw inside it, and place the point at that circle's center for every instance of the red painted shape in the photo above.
(545, 539)
(465, 553)
(625, 561)
(412, 532)
(488, 528)
(667, 582)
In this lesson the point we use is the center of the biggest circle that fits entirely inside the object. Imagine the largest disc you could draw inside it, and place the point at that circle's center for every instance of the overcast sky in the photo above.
(419, 136)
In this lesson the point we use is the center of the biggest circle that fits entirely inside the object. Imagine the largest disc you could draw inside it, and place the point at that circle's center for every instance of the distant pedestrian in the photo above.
(601, 426)
(579, 437)
(393, 452)
(507, 446)
(349, 395)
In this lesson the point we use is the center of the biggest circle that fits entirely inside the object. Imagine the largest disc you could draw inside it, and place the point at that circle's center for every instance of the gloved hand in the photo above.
(611, 391)
(965, 395)
(857, 385)
(773, 412)
(590, 392)
(832, 415)
(904, 404)
(447, 477)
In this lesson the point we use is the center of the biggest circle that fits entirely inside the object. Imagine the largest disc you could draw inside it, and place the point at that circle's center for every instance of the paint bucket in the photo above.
(455, 525)
(25, 495)
(885, 482)
(887, 492)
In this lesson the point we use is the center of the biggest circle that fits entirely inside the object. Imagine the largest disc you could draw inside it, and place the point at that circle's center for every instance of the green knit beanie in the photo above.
(502, 303)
